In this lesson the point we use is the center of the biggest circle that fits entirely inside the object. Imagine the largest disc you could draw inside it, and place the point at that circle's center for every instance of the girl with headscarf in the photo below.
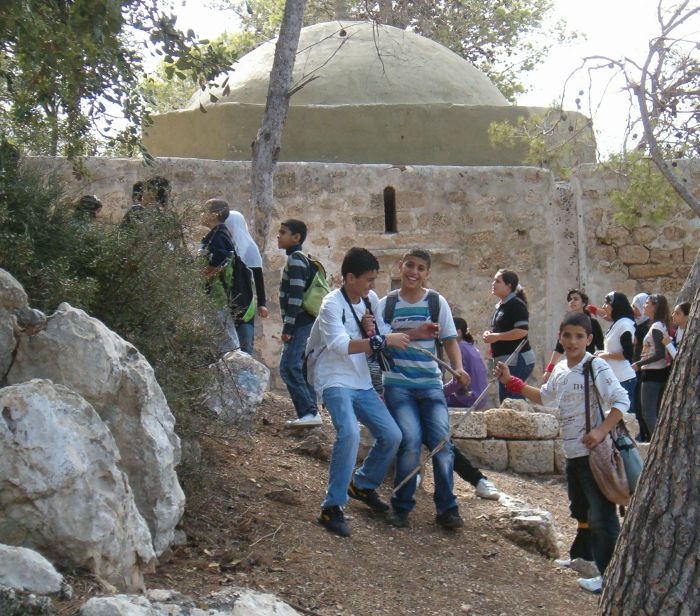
(619, 341)
(641, 327)
(248, 251)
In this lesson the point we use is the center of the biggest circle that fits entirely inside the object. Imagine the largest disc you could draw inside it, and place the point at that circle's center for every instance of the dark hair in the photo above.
(584, 298)
(684, 307)
(296, 226)
(218, 207)
(620, 306)
(512, 280)
(358, 261)
(661, 310)
(419, 254)
(160, 186)
(89, 205)
(463, 328)
(137, 192)
(578, 319)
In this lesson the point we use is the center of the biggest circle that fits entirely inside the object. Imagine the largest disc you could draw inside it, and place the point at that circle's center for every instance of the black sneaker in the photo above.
(368, 497)
(450, 519)
(334, 521)
(398, 518)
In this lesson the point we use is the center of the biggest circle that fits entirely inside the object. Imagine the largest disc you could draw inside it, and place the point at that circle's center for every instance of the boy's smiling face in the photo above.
(574, 339)
(414, 272)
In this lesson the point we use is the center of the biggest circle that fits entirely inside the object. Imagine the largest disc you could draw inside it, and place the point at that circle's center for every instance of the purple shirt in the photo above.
(473, 365)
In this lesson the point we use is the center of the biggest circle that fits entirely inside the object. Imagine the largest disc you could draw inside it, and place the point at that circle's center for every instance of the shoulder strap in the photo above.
(587, 393)
(390, 306)
(595, 388)
(434, 305)
(359, 324)
(368, 305)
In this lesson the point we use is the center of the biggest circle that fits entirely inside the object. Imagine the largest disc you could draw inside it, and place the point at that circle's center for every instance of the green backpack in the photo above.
(317, 289)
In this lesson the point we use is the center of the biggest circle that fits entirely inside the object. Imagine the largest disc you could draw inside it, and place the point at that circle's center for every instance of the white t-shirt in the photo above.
(565, 390)
(648, 347)
(621, 367)
(330, 337)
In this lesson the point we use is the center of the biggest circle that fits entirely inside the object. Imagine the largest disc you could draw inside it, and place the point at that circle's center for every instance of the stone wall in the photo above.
(474, 220)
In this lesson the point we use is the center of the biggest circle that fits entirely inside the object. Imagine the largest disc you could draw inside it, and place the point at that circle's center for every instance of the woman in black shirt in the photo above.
(509, 325)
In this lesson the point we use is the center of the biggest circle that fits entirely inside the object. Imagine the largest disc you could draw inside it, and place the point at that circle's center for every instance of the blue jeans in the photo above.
(246, 336)
(602, 519)
(522, 371)
(652, 393)
(347, 406)
(630, 385)
(422, 416)
(292, 372)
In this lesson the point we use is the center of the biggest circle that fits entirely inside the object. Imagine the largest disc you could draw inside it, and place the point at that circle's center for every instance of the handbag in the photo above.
(606, 462)
(625, 444)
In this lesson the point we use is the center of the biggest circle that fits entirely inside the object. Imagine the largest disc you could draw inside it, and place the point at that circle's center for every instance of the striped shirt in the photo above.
(295, 276)
(411, 368)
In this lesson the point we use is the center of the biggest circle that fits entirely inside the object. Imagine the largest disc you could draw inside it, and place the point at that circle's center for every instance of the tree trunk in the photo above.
(266, 147)
(656, 566)
(691, 284)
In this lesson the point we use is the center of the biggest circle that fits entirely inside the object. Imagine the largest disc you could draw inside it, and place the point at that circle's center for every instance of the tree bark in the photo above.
(656, 566)
(266, 147)
(692, 282)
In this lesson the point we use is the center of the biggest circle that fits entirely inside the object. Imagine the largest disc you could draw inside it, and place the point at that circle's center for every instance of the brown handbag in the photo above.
(606, 462)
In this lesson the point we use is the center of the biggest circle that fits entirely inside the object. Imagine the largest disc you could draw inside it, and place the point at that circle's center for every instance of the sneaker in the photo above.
(450, 519)
(485, 489)
(333, 520)
(307, 421)
(594, 584)
(398, 518)
(563, 562)
(368, 497)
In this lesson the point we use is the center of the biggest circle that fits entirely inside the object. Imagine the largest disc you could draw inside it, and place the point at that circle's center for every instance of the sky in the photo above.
(613, 28)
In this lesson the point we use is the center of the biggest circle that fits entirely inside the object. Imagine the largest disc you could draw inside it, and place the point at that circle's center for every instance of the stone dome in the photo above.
(360, 63)
(372, 94)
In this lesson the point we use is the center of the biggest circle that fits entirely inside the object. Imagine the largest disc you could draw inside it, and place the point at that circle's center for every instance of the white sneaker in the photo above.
(563, 562)
(485, 489)
(594, 584)
(307, 421)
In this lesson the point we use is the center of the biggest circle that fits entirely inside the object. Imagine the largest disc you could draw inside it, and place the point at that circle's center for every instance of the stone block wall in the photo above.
(474, 220)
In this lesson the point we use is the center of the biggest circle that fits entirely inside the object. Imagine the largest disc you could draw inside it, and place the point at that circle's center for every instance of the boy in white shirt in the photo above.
(337, 366)
(565, 389)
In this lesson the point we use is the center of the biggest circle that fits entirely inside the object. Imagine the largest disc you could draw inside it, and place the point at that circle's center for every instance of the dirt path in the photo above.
(254, 524)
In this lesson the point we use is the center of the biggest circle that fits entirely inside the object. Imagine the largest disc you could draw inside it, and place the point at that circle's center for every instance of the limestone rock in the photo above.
(528, 526)
(61, 491)
(228, 602)
(509, 424)
(467, 424)
(27, 570)
(16, 603)
(485, 453)
(80, 352)
(524, 406)
(633, 254)
(559, 458)
(238, 387)
(531, 456)
(12, 297)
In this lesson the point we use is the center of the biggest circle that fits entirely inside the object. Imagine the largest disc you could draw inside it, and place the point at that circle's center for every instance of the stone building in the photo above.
(388, 149)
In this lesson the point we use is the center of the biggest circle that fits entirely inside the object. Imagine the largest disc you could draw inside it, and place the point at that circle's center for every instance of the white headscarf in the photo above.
(245, 245)
(638, 302)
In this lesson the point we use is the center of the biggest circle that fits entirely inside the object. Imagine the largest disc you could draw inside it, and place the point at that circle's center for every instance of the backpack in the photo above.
(240, 284)
(317, 288)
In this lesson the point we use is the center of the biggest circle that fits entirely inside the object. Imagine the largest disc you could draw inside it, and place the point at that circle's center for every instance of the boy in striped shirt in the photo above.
(296, 323)
(413, 392)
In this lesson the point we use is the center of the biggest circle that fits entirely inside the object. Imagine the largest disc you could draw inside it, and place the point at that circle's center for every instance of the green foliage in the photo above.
(503, 38)
(170, 88)
(647, 196)
(69, 69)
(140, 280)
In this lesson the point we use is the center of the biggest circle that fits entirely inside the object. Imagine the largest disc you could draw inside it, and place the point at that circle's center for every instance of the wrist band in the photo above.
(515, 385)
(549, 368)
(377, 342)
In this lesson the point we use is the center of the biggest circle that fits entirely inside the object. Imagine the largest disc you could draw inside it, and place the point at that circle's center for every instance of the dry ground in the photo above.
(253, 523)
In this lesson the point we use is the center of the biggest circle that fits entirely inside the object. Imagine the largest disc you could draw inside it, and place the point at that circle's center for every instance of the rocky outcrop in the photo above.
(12, 297)
(81, 353)
(228, 602)
(61, 491)
(527, 526)
(26, 570)
(237, 388)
